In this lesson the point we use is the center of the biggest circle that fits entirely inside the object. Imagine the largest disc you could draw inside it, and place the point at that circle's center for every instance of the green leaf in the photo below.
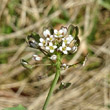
(19, 107)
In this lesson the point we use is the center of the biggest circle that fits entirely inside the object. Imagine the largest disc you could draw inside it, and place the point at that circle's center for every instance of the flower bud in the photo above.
(64, 66)
(74, 49)
(33, 44)
(37, 58)
(53, 57)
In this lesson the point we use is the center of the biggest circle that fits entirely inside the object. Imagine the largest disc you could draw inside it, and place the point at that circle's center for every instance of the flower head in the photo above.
(68, 39)
(51, 47)
(55, 41)
(58, 34)
(51, 38)
(64, 48)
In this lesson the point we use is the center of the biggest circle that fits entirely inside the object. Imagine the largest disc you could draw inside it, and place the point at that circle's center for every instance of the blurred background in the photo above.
(90, 84)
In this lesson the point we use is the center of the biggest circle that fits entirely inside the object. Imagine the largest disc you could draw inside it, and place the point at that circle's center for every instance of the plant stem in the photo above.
(58, 64)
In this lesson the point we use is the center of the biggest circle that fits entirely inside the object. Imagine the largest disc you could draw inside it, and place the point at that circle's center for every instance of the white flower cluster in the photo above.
(58, 41)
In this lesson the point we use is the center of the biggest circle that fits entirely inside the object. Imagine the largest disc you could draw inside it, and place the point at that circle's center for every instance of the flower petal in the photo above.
(60, 31)
(55, 31)
(64, 30)
(41, 44)
(55, 46)
(46, 33)
(47, 39)
(60, 48)
(47, 48)
(63, 38)
(55, 36)
(41, 39)
(65, 52)
(51, 36)
(63, 44)
(50, 44)
(68, 48)
(71, 37)
(51, 51)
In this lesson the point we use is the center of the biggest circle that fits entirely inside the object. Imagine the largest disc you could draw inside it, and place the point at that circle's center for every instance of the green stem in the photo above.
(58, 64)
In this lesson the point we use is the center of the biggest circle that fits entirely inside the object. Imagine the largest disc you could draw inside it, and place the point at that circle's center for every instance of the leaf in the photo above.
(25, 64)
(19, 107)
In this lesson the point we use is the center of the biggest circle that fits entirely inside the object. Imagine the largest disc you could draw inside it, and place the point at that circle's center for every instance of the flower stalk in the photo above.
(58, 64)
(54, 44)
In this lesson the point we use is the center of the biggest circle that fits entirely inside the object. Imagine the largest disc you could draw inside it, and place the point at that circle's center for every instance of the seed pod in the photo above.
(74, 31)
(33, 40)
(25, 64)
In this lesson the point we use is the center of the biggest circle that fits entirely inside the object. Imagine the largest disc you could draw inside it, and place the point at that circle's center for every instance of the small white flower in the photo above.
(74, 48)
(51, 47)
(64, 29)
(64, 66)
(42, 42)
(51, 38)
(53, 57)
(68, 39)
(58, 34)
(46, 33)
(64, 48)
(37, 58)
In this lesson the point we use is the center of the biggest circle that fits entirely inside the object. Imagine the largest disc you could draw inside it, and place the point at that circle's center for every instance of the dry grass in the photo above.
(90, 87)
